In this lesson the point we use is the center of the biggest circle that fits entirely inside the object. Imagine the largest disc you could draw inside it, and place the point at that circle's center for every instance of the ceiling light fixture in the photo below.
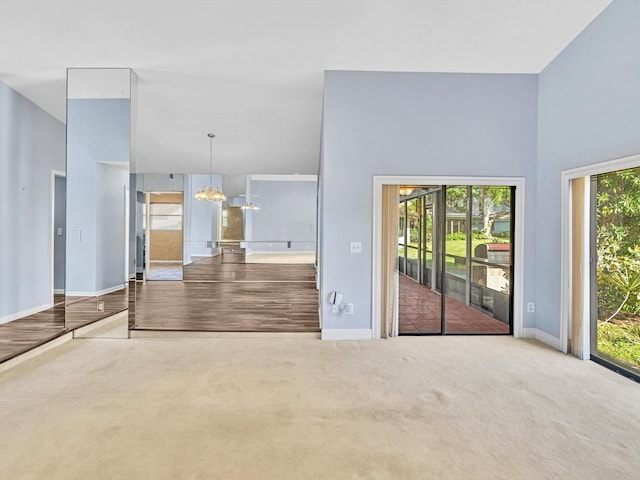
(406, 190)
(210, 193)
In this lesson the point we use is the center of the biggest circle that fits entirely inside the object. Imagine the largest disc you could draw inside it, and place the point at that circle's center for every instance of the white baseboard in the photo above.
(205, 254)
(346, 334)
(25, 313)
(58, 291)
(96, 294)
(542, 336)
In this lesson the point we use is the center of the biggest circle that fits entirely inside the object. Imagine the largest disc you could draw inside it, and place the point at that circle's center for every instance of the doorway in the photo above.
(455, 259)
(601, 264)
(463, 275)
(58, 243)
(163, 231)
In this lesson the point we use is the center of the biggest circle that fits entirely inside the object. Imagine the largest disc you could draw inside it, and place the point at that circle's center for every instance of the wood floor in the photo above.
(85, 310)
(26, 333)
(165, 271)
(228, 306)
(234, 269)
(21, 335)
(227, 295)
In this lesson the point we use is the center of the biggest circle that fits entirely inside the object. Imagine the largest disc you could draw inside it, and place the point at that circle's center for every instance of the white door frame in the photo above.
(566, 251)
(54, 174)
(518, 267)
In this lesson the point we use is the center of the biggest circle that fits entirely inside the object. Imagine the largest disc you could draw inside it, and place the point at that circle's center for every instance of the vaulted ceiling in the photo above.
(251, 71)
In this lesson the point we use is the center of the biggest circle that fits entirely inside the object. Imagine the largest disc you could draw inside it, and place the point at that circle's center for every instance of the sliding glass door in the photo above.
(615, 270)
(455, 259)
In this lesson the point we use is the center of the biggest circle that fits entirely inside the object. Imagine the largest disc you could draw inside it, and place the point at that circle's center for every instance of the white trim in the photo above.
(25, 313)
(518, 267)
(52, 226)
(346, 334)
(284, 178)
(56, 342)
(96, 294)
(58, 291)
(205, 254)
(541, 336)
(566, 176)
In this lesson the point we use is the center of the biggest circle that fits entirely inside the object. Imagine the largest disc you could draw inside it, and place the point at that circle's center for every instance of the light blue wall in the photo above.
(32, 143)
(98, 132)
(287, 212)
(589, 112)
(201, 218)
(162, 182)
(414, 124)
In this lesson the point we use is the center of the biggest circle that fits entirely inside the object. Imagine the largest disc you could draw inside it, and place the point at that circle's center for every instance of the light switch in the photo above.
(355, 247)
(75, 236)
(59, 231)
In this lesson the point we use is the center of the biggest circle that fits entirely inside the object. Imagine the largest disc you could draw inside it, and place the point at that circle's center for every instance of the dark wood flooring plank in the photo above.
(214, 269)
(263, 297)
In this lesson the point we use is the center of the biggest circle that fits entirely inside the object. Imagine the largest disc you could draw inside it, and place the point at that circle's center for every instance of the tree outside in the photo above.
(618, 265)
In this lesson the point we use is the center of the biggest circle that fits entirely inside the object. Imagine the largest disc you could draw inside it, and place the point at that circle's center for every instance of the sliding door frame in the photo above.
(566, 235)
(518, 261)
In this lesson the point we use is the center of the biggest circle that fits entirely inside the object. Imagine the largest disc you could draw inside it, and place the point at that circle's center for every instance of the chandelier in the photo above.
(210, 193)
(406, 190)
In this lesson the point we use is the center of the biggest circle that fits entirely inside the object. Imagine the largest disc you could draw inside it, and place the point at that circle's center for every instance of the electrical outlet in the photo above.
(348, 309)
(100, 306)
(531, 307)
(355, 247)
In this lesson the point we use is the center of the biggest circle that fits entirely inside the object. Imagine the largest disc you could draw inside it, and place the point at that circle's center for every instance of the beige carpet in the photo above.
(273, 408)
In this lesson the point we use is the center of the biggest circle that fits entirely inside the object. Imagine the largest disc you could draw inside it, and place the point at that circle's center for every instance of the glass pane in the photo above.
(232, 223)
(491, 252)
(165, 209)
(165, 222)
(419, 311)
(617, 326)
(456, 241)
(478, 255)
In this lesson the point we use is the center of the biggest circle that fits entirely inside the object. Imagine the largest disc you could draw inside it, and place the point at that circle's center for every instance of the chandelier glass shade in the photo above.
(210, 193)
(250, 206)
(406, 190)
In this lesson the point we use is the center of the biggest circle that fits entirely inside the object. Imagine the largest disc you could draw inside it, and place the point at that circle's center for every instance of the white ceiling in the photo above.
(251, 71)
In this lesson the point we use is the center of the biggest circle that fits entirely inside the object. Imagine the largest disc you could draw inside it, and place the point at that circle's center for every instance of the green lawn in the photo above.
(620, 341)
